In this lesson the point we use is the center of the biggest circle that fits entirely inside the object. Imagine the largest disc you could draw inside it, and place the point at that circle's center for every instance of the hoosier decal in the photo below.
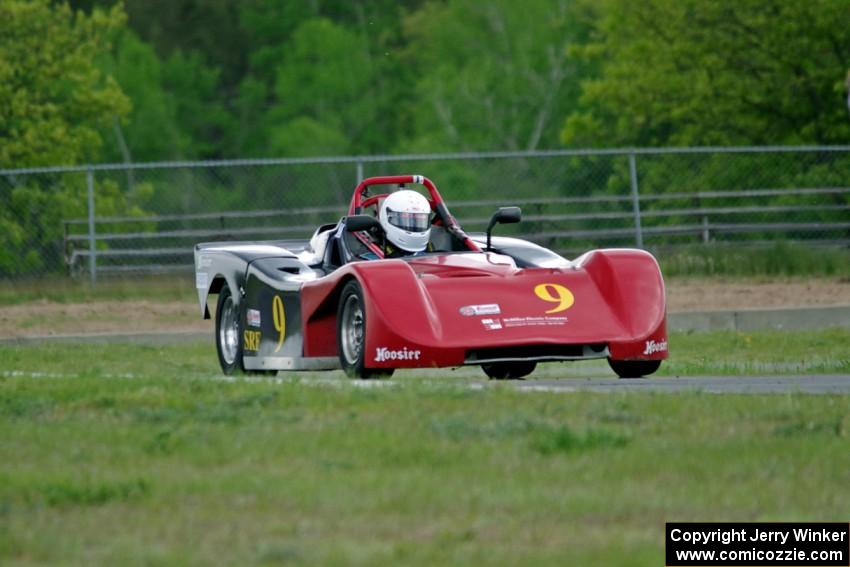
(652, 347)
(383, 354)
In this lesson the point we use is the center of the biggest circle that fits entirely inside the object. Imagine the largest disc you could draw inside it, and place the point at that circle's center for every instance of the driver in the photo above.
(405, 217)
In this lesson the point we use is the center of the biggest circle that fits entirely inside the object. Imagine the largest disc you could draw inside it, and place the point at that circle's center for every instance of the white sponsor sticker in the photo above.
(253, 318)
(539, 321)
(485, 309)
(655, 346)
(383, 354)
(201, 280)
(491, 324)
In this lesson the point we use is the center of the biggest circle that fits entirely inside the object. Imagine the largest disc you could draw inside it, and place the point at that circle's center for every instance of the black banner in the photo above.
(817, 544)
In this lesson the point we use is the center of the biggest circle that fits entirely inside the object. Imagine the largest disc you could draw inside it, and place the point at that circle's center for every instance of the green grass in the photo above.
(168, 470)
(143, 455)
(716, 353)
(79, 290)
(759, 352)
(782, 259)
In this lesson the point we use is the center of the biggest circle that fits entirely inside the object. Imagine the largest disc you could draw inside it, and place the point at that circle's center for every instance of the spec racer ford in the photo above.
(397, 283)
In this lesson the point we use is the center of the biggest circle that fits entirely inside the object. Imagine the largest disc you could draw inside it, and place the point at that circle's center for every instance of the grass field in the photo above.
(721, 353)
(141, 455)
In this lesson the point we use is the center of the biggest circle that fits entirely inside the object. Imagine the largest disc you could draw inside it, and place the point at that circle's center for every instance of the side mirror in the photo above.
(356, 223)
(505, 215)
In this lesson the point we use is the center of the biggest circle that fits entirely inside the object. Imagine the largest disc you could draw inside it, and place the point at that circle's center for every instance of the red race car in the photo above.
(398, 284)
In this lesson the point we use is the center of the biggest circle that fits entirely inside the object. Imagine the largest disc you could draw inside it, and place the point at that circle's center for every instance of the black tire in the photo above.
(634, 368)
(228, 336)
(228, 339)
(516, 370)
(351, 334)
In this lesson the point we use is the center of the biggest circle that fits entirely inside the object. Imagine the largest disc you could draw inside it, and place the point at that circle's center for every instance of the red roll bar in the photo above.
(358, 203)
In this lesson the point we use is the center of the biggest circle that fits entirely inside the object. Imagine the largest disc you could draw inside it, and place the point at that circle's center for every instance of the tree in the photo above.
(53, 99)
(334, 67)
(700, 72)
(150, 131)
(492, 75)
(54, 102)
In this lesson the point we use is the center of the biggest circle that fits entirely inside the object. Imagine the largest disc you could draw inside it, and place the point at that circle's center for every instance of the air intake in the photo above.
(537, 352)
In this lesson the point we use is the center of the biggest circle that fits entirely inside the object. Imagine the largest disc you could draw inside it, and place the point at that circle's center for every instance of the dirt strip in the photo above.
(49, 318)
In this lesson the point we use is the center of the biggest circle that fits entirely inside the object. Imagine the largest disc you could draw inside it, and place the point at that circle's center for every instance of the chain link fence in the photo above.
(92, 221)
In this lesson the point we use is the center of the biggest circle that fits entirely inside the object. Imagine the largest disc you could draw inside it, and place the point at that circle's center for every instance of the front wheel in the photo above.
(508, 370)
(228, 336)
(634, 368)
(351, 334)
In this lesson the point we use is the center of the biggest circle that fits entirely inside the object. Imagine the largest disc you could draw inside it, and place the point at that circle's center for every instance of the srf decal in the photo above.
(555, 293)
(251, 340)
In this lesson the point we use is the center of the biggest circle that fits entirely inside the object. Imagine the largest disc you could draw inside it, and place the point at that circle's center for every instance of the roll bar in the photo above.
(361, 199)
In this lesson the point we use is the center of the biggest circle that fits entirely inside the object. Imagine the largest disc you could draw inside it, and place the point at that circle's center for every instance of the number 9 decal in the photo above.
(279, 320)
(554, 293)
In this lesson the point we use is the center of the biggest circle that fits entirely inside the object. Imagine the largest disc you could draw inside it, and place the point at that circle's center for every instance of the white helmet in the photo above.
(406, 219)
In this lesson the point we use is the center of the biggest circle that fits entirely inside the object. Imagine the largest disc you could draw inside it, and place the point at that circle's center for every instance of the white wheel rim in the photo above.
(228, 333)
(352, 329)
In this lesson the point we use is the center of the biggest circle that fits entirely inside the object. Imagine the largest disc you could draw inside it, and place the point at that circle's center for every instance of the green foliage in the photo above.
(278, 79)
(151, 130)
(323, 82)
(54, 103)
(697, 72)
(492, 75)
(53, 99)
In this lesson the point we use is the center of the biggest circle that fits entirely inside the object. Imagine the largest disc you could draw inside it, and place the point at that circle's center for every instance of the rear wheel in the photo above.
(227, 340)
(634, 368)
(514, 370)
(351, 334)
(228, 335)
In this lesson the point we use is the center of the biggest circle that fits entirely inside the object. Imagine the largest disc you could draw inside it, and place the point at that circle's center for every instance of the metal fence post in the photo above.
(359, 171)
(635, 200)
(92, 235)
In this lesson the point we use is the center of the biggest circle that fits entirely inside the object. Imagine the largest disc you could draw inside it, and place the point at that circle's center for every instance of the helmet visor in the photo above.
(411, 222)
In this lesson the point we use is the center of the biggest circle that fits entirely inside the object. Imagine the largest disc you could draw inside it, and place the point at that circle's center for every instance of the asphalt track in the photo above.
(782, 384)
(811, 384)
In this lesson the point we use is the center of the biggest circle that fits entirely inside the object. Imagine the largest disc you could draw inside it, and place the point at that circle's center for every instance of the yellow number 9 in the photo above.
(279, 320)
(554, 293)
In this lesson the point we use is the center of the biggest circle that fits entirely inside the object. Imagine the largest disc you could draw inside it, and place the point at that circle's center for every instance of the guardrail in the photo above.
(163, 243)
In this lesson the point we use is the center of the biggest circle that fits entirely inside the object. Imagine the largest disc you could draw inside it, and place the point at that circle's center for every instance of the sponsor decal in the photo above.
(485, 309)
(555, 293)
(655, 346)
(383, 354)
(279, 317)
(253, 318)
(251, 340)
(492, 324)
(204, 262)
(534, 321)
(201, 280)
